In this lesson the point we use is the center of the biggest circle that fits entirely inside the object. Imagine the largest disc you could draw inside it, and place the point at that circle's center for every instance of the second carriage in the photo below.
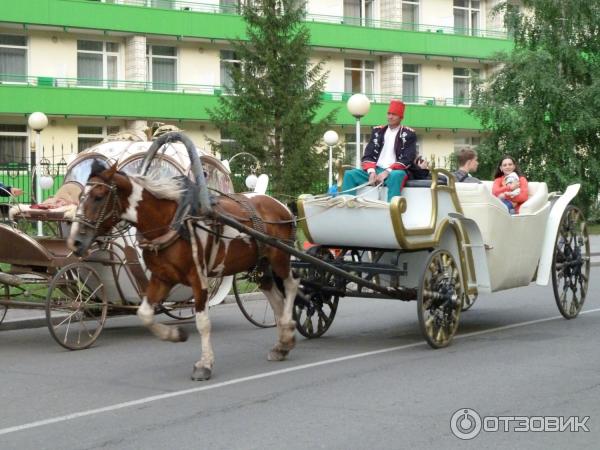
(40, 272)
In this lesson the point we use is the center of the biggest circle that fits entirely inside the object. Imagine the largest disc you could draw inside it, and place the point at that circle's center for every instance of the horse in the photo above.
(211, 249)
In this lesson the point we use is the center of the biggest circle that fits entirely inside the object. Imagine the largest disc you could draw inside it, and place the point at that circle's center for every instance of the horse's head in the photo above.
(100, 207)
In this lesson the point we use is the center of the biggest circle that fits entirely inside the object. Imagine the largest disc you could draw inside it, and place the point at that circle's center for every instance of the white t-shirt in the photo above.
(387, 156)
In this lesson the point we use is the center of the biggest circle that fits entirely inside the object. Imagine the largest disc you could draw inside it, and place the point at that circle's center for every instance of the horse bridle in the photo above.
(114, 211)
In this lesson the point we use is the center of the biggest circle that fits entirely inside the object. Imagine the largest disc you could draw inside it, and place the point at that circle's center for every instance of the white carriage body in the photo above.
(496, 250)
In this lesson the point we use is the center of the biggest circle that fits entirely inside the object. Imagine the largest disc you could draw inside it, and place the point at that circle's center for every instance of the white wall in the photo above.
(325, 7)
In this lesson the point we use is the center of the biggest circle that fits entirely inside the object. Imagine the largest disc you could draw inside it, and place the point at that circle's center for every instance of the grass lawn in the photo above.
(594, 228)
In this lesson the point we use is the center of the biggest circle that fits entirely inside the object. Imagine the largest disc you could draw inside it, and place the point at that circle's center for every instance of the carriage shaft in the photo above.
(400, 292)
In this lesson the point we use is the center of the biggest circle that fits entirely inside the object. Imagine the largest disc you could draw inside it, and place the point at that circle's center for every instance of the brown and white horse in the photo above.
(111, 196)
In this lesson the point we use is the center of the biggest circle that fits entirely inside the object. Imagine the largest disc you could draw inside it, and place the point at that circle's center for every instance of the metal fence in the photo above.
(20, 175)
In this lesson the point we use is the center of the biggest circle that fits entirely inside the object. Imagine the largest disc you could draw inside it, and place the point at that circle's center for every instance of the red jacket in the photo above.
(518, 200)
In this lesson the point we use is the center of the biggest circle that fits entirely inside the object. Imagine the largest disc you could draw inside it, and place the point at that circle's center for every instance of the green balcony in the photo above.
(107, 17)
(133, 99)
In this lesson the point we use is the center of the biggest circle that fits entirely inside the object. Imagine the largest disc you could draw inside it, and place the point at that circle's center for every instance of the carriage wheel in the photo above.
(315, 310)
(571, 263)
(4, 294)
(76, 306)
(254, 305)
(468, 301)
(440, 299)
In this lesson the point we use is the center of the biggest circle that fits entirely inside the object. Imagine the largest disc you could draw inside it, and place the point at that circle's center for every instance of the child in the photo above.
(511, 180)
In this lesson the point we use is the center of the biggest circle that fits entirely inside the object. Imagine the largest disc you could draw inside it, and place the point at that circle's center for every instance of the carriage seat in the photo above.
(380, 192)
(538, 195)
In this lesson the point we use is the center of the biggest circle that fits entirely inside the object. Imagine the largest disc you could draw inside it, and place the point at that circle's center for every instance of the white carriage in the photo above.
(441, 243)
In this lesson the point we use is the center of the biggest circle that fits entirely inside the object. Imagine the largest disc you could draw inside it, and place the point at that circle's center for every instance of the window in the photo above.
(462, 142)
(349, 156)
(466, 17)
(97, 63)
(410, 83)
(410, 15)
(229, 6)
(88, 136)
(358, 12)
(359, 76)
(162, 67)
(462, 84)
(228, 60)
(13, 58)
(13, 144)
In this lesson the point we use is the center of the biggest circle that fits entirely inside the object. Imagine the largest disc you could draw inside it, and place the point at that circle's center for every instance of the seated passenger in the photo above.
(510, 185)
(467, 162)
(389, 155)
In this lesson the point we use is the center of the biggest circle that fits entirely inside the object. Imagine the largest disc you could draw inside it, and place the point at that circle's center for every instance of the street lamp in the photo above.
(38, 121)
(358, 105)
(331, 138)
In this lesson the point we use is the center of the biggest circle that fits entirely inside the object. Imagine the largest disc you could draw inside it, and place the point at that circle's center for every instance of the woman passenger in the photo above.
(510, 186)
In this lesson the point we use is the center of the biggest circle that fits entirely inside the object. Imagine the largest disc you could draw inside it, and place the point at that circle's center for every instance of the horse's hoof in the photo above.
(201, 374)
(277, 355)
(182, 334)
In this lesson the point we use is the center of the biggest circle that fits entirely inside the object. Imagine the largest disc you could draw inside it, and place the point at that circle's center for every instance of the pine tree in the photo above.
(271, 108)
(542, 105)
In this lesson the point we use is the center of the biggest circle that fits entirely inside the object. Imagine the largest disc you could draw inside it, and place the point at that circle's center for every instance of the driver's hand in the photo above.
(382, 176)
(16, 191)
(372, 178)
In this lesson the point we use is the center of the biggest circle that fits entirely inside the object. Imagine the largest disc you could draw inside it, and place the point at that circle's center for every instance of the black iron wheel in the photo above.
(571, 263)
(314, 310)
(252, 302)
(76, 306)
(440, 299)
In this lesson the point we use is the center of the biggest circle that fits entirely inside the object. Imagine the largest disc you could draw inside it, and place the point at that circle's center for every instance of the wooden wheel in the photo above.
(571, 263)
(314, 310)
(76, 306)
(254, 305)
(440, 299)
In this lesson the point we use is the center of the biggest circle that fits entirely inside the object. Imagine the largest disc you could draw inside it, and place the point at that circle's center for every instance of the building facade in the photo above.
(96, 67)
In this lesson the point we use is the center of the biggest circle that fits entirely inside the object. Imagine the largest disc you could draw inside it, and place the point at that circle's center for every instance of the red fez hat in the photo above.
(397, 107)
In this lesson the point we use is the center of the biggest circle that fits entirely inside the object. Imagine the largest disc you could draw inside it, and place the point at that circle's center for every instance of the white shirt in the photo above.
(387, 157)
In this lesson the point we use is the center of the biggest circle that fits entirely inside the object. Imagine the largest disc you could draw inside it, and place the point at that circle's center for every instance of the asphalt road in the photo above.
(370, 382)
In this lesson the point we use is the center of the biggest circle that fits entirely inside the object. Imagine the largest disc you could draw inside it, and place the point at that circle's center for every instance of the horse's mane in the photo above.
(164, 188)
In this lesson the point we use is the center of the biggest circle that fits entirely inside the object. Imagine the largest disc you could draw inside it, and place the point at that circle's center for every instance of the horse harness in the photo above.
(115, 207)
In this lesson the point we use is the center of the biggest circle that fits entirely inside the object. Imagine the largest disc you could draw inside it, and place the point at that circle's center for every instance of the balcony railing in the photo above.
(187, 88)
(357, 21)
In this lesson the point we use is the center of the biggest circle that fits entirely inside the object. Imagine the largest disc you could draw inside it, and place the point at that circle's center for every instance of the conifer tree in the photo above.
(271, 108)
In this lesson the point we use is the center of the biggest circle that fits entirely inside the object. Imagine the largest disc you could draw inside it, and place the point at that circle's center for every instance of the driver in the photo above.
(389, 155)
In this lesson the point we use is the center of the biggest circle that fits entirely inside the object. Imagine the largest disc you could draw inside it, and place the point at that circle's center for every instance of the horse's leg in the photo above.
(282, 304)
(157, 292)
(203, 367)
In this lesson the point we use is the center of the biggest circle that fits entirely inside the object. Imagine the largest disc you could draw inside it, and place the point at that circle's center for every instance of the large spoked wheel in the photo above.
(314, 310)
(571, 263)
(4, 294)
(440, 299)
(76, 306)
(254, 305)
